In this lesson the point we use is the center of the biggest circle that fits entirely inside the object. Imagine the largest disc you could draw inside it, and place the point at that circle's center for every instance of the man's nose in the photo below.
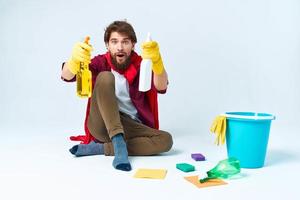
(120, 46)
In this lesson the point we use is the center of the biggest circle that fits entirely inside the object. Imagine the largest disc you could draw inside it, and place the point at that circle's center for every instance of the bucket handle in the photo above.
(255, 117)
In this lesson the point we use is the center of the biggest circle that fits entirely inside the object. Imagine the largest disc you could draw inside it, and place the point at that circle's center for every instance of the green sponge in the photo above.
(185, 167)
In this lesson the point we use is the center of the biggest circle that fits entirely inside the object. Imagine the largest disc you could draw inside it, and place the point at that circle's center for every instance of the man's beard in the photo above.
(121, 66)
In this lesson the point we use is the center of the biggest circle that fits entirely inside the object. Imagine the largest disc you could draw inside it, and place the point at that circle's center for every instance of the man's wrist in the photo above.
(158, 66)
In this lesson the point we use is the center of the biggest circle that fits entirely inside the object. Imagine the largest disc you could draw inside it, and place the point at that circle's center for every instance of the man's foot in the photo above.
(92, 148)
(121, 161)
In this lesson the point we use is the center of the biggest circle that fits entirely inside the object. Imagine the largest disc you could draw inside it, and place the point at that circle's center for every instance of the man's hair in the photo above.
(122, 27)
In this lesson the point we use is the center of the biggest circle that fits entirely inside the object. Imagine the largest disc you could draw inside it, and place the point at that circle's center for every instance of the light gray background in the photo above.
(220, 56)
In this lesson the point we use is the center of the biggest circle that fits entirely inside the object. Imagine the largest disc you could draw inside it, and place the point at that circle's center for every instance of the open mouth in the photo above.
(120, 55)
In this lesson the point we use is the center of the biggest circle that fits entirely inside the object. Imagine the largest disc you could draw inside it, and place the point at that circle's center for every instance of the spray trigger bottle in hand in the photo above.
(84, 78)
(145, 72)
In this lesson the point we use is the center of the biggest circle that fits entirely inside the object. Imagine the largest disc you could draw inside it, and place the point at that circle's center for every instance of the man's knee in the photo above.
(104, 79)
(167, 141)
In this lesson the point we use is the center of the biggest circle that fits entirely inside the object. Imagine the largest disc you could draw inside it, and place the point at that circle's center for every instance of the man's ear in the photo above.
(106, 45)
(133, 47)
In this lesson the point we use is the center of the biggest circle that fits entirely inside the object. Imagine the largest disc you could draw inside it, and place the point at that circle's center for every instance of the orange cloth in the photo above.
(212, 182)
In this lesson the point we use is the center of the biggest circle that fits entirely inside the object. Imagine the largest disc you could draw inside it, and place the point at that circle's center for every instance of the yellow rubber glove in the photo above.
(219, 128)
(150, 50)
(81, 53)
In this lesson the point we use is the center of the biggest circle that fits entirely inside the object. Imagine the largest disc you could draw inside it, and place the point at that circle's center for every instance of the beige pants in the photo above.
(105, 121)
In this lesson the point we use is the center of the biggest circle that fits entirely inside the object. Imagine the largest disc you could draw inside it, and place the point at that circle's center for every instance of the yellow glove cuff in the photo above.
(158, 66)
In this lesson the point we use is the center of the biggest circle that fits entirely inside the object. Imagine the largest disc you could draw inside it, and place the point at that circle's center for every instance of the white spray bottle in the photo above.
(145, 72)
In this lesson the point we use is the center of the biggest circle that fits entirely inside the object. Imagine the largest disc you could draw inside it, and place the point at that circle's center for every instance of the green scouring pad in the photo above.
(185, 167)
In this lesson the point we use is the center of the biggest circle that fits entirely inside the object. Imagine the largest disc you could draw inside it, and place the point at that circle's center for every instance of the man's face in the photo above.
(120, 48)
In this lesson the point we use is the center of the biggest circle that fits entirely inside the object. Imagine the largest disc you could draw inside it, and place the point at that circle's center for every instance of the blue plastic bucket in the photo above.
(247, 136)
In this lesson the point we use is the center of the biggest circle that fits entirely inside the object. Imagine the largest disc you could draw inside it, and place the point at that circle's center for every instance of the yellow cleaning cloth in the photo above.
(219, 128)
(151, 173)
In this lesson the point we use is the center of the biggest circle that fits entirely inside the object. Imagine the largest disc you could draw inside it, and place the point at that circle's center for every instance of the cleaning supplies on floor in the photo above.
(247, 137)
(224, 169)
(185, 167)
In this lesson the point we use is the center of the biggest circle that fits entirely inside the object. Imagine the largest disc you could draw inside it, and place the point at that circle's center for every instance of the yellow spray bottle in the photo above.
(84, 78)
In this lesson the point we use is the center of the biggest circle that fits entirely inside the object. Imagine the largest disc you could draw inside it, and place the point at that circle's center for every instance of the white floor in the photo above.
(37, 165)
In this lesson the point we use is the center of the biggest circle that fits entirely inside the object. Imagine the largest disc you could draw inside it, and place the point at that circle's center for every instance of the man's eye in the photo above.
(126, 42)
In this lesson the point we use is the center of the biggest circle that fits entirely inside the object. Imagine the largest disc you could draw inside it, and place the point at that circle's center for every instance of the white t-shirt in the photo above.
(122, 94)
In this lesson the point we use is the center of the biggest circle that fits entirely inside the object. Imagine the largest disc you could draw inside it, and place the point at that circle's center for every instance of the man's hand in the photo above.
(150, 50)
(81, 53)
